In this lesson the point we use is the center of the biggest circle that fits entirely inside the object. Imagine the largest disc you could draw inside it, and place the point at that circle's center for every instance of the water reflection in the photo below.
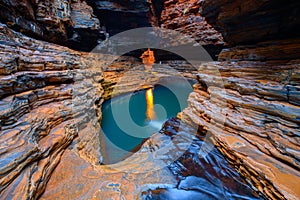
(121, 139)
(150, 113)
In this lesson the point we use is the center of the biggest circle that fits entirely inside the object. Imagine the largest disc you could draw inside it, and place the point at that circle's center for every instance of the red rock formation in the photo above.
(253, 120)
(249, 22)
(42, 112)
(46, 109)
(75, 178)
(258, 30)
(69, 23)
(184, 17)
(252, 107)
(48, 98)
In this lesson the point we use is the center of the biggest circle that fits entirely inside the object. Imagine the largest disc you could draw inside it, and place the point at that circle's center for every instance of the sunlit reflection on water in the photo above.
(150, 113)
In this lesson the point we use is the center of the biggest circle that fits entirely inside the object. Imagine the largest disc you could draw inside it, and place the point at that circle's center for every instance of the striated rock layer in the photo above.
(256, 30)
(145, 174)
(50, 97)
(46, 103)
(69, 23)
(251, 111)
(248, 103)
(249, 21)
(186, 17)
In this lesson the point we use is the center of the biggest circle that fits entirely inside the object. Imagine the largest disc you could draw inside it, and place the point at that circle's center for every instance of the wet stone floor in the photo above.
(201, 177)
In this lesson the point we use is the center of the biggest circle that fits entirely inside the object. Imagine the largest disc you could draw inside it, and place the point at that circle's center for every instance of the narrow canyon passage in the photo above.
(202, 104)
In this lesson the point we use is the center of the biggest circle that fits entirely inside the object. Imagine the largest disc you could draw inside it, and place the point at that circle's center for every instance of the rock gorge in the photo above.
(68, 23)
(51, 96)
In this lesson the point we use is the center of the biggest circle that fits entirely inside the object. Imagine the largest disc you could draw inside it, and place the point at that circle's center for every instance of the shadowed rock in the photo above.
(68, 23)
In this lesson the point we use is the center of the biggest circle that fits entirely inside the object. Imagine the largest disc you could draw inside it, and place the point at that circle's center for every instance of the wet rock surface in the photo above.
(49, 129)
(146, 175)
(68, 23)
(249, 101)
(248, 110)
(247, 104)
(201, 175)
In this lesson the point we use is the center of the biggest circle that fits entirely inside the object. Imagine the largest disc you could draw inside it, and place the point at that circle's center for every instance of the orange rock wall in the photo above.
(44, 93)
(251, 106)
(68, 23)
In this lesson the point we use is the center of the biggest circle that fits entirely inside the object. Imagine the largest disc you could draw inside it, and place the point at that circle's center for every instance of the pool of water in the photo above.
(129, 119)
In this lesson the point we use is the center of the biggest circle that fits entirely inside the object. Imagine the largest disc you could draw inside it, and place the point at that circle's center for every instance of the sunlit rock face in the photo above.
(251, 107)
(185, 17)
(49, 116)
(44, 90)
(68, 23)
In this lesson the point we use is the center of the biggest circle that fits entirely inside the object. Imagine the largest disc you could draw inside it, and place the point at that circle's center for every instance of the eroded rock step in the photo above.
(253, 117)
(148, 175)
(41, 104)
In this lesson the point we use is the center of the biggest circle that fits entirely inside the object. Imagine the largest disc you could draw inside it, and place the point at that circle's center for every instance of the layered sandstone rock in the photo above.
(127, 74)
(249, 22)
(251, 110)
(48, 100)
(271, 51)
(262, 30)
(185, 17)
(69, 23)
(249, 103)
(145, 174)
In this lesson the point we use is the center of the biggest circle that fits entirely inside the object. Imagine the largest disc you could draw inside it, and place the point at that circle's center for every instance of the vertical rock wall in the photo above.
(186, 18)
(251, 107)
(252, 112)
(69, 23)
(49, 99)
(120, 15)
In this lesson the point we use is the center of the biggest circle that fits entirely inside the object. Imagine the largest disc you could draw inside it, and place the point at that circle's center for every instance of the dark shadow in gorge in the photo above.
(208, 177)
(118, 15)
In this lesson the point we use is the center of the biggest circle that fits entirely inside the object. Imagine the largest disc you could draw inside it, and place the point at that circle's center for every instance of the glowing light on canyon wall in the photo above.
(150, 113)
(148, 59)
